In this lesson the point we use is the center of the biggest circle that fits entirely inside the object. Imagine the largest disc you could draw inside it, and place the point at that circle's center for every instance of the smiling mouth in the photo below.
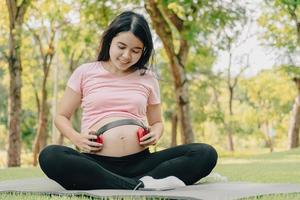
(123, 61)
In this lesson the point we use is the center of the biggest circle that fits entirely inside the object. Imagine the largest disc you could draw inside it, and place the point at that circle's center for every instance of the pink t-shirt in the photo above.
(104, 94)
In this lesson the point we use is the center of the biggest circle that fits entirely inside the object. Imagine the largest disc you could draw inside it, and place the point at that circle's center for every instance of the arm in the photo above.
(154, 118)
(69, 102)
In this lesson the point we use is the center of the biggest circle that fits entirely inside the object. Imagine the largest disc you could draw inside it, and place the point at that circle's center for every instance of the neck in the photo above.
(108, 66)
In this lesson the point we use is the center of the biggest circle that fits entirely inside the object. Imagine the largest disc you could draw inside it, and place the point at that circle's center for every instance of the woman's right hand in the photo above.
(85, 143)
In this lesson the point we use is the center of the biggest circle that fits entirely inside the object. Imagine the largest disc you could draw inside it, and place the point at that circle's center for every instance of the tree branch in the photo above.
(161, 26)
(176, 21)
(292, 12)
(179, 25)
(35, 90)
(37, 39)
(21, 10)
(11, 7)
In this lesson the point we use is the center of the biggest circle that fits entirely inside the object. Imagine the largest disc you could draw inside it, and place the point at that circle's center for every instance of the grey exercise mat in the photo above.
(210, 191)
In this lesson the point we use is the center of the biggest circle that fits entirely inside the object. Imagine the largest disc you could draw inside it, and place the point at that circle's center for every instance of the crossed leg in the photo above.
(74, 170)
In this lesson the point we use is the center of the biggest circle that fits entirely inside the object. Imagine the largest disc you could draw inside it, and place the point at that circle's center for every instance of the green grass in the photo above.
(279, 167)
(18, 196)
(26, 196)
(292, 196)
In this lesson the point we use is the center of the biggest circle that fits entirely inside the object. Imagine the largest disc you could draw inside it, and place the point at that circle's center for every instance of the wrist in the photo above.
(74, 137)
(157, 129)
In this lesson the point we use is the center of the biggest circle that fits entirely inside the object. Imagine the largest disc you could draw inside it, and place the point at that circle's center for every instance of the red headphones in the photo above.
(142, 131)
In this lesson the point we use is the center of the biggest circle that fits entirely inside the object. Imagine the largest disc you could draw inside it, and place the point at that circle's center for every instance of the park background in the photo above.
(214, 87)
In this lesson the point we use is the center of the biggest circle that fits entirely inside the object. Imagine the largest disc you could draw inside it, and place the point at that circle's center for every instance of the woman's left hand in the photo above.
(149, 139)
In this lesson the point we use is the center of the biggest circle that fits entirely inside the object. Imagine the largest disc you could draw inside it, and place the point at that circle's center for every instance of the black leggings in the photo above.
(79, 171)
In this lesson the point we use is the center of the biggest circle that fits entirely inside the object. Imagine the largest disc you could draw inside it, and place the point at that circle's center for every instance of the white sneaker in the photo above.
(168, 183)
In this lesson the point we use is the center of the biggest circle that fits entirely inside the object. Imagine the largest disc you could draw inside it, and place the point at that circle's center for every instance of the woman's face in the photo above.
(125, 50)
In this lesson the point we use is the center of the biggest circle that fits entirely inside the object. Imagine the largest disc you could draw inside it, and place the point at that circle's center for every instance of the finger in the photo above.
(148, 141)
(89, 132)
(148, 144)
(86, 149)
(92, 133)
(147, 137)
(154, 142)
(95, 149)
(94, 144)
(91, 137)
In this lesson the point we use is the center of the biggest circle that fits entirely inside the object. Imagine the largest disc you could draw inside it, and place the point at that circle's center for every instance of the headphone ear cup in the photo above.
(140, 133)
(100, 139)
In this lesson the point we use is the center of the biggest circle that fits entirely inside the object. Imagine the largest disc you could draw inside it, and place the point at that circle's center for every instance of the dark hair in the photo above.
(135, 23)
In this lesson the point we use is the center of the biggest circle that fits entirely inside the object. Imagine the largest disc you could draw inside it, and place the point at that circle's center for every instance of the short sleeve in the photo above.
(75, 80)
(154, 97)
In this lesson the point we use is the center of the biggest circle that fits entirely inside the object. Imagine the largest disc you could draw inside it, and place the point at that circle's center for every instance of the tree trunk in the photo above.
(16, 16)
(184, 112)
(269, 137)
(229, 130)
(54, 132)
(14, 141)
(46, 57)
(293, 134)
(41, 137)
(177, 61)
(57, 137)
(230, 140)
(174, 121)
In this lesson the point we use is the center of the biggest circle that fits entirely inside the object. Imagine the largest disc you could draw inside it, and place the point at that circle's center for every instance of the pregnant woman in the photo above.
(119, 96)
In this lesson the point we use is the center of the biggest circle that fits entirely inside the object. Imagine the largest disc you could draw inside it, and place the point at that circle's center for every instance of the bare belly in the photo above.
(118, 141)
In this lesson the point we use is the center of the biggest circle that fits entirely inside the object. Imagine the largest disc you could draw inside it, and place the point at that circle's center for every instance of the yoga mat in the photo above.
(209, 191)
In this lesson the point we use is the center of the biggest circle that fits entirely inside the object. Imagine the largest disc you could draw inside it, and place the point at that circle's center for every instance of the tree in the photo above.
(181, 28)
(44, 38)
(177, 61)
(283, 35)
(16, 17)
(271, 100)
(46, 55)
(231, 38)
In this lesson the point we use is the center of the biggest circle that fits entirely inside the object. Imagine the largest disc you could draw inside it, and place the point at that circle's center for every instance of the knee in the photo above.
(50, 155)
(212, 154)
(206, 152)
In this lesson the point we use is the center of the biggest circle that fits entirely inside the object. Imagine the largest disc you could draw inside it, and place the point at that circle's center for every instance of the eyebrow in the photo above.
(126, 45)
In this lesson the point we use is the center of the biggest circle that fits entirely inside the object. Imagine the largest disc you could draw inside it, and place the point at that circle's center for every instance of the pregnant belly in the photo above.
(118, 141)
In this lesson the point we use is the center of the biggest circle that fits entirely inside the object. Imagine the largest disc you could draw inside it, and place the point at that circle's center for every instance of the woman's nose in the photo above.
(126, 54)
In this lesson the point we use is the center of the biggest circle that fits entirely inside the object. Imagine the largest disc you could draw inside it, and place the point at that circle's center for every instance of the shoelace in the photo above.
(137, 186)
(133, 193)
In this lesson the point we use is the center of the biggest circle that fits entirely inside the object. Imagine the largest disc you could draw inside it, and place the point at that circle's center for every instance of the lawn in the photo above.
(278, 167)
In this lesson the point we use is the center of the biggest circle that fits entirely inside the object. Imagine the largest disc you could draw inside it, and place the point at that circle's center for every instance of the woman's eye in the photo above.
(134, 51)
(121, 47)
